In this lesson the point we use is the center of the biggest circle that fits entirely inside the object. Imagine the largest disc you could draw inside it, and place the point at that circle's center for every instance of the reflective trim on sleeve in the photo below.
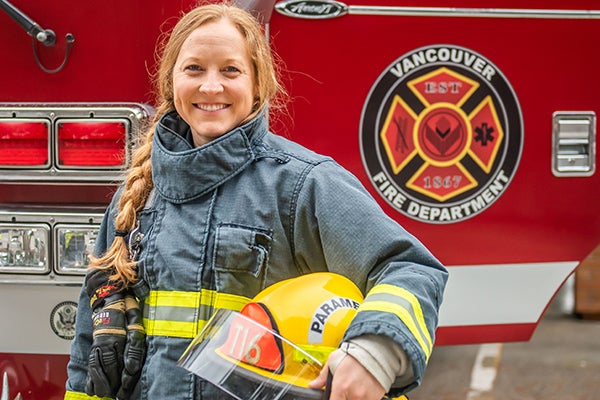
(404, 304)
(82, 396)
(183, 314)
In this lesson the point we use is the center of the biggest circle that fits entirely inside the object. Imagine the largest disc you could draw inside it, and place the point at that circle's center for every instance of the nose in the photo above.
(212, 83)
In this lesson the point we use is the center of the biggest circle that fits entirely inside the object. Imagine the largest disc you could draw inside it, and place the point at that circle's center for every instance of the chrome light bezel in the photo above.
(15, 249)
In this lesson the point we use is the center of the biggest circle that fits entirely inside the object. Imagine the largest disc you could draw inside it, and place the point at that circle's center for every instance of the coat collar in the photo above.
(182, 173)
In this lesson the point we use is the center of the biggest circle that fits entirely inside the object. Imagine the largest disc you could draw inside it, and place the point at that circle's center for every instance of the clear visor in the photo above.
(249, 361)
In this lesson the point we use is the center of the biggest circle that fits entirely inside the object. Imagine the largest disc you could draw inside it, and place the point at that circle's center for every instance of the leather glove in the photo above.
(135, 348)
(107, 301)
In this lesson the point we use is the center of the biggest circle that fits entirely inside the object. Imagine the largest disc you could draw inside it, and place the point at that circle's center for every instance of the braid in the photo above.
(138, 186)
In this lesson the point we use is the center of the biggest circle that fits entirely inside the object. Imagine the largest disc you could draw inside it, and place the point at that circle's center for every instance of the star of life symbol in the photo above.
(441, 134)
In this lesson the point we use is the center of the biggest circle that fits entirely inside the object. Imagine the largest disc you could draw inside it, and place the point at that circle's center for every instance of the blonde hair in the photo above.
(138, 183)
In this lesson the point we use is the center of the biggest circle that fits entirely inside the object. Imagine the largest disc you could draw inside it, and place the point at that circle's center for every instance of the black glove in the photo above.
(107, 301)
(135, 349)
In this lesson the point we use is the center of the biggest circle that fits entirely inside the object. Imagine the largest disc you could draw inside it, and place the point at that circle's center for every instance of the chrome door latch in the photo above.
(573, 143)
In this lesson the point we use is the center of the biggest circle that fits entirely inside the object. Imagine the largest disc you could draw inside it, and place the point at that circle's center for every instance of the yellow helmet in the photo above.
(279, 341)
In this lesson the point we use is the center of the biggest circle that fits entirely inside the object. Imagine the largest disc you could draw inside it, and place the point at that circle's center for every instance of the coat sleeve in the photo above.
(80, 347)
(340, 227)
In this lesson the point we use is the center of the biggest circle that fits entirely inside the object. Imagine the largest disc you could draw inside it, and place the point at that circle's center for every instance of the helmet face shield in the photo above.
(249, 360)
(277, 344)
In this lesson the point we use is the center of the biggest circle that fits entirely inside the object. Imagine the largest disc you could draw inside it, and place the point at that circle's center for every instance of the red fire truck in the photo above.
(473, 123)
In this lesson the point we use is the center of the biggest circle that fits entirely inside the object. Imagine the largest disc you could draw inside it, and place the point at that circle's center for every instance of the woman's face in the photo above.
(213, 80)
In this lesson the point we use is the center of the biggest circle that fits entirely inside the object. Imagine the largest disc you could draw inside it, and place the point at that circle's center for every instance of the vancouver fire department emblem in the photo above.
(62, 319)
(441, 134)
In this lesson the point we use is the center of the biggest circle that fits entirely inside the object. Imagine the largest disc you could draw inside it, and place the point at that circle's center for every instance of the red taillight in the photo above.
(91, 144)
(24, 143)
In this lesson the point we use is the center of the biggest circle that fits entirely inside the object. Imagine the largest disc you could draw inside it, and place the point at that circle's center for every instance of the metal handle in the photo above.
(45, 36)
(573, 143)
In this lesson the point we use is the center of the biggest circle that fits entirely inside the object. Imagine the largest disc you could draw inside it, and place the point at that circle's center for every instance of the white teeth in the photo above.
(211, 107)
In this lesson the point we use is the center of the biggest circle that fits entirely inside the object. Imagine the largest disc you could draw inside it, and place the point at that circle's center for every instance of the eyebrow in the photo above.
(226, 61)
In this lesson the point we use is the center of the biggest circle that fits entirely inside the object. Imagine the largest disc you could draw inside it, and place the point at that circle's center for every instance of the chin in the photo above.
(205, 134)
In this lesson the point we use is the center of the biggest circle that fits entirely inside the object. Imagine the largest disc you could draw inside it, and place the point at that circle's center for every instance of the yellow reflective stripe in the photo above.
(412, 318)
(173, 299)
(82, 396)
(230, 301)
(403, 315)
(190, 299)
(183, 314)
(178, 301)
(412, 299)
(172, 328)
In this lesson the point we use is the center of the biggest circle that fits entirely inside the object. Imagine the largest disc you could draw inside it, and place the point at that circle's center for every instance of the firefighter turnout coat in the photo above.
(240, 213)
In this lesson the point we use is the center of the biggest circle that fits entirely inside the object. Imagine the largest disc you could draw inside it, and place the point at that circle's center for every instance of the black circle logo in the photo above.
(62, 319)
(441, 134)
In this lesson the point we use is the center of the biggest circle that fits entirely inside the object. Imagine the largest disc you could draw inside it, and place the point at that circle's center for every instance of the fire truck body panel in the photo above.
(29, 336)
(472, 124)
(330, 95)
(533, 233)
(112, 50)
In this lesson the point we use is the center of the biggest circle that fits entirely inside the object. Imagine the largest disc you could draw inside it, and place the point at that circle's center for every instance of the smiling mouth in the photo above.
(211, 107)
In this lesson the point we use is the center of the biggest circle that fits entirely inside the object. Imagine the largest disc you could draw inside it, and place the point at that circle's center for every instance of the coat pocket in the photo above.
(241, 255)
